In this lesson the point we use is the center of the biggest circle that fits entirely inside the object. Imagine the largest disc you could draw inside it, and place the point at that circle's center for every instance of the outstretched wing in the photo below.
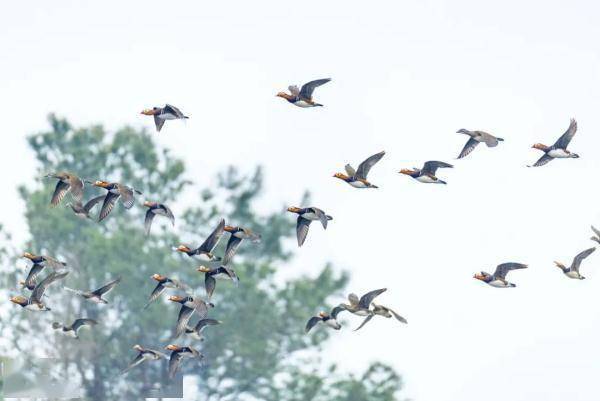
(579, 258)
(108, 205)
(148, 221)
(365, 166)
(302, 229)
(565, 138)
(174, 363)
(336, 311)
(173, 110)
(294, 90)
(83, 322)
(92, 202)
(321, 215)
(202, 323)
(127, 197)
(308, 88)
(545, 159)
(76, 185)
(350, 170)
(397, 316)
(312, 322)
(59, 192)
(431, 166)
(107, 287)
(232, 246)
(503, 269)
(468, 148)
(35, 270)
(38, 291)
(185, 314)
(138, 360)
(364, 322)
(159, 289)
(365, 300)
(209, 285)
(213, 239)
(159, 122)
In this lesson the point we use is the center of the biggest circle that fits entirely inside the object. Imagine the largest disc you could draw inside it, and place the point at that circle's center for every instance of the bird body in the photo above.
(189, 305)
(72, 330)
(196, 331)
(164, 282)
(305, 217)
(303, 97)
(162, 114)
(83, 211)
(238, 234)
(427, 173)
(205, 250)
(475, 138)
(156, 209)
(144, 355)
(67, 182)
(559, 149)
(96, 296)
(221, 272)
(179, 353)
(115, 191)
(328, 319)
(498, 279)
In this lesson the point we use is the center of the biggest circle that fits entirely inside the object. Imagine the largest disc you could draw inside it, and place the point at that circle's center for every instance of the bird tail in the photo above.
(374, 186)
(442, 182)
(574, 155)
(318, 105)
(511, 285)
(500, 139)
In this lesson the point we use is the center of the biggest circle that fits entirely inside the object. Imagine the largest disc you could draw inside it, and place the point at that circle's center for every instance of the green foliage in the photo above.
(249, 356)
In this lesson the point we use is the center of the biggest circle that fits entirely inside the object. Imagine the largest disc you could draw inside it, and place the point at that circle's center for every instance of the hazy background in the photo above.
(406, 75)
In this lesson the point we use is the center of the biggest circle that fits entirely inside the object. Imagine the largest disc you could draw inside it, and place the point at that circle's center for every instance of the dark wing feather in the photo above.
(469, 146)
(127, 197)
(107, 287)
(108, 205)
(169, 214)
(35, 270)
(138, 359)
(92, 202)
(174, 363)
(59, 192)
(173, 110)
(308, 88)
(232, 246)
(185, 314)
(336, 311)
(202, 323)
(545, 159)
(209, 285)
(430, 167)
(38, 291)
(159, 122)
(565, 138)
(321, 215)
(76, 188)
(159, 289)
(365, 166)
(579, 258)
(503, 269)
(213, 239)
(397, 316)
(312, 322)
(83, 322)
(364, 322)
(365, 300)
(148, 221)
(302, 229)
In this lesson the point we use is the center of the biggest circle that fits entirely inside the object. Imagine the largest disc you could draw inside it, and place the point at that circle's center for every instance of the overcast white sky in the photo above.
(406, 75)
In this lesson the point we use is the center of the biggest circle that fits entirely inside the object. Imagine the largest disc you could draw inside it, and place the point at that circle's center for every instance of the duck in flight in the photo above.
(164, 282)
(475, 138)
(144, 355)
(156, 209)
(573, 270)
(559, 149)
(95, 296)
(115, 191)
(307, 215)
(205, 250)
(358, 178)
(162, 114)
(83, 211)
(303, 97)
(178, 353)
(238, 234)
(67, 182)
(212, 274)
(380, 310)
(72, 330)
(427, 173)
(498, 279)
(34, 302)
(328, 319)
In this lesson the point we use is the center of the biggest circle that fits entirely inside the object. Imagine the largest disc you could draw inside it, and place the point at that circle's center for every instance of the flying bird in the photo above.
(361, 306)
(498, 279)
(427, 173)
(83, 211)
(162, 114)
(205, 250)
(196, 331)
(156, 209)
(178, 353)
(39, 262)
(380, 310)
(72, 330)
(211, 274)
(144, 355)
(328, 319)
(95, 296)
(303, 97)
(559, 149)
(34, 302)
(189, 305)
(358, 178)
(573, 270)
(475, 138)
(238, 234)
(66, 182)
(307, 215)
(115, 191)
(164, 282)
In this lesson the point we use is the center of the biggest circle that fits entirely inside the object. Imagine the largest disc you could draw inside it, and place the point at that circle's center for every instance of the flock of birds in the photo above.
(214, 267)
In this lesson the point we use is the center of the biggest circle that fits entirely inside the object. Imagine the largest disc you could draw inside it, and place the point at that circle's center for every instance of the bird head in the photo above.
(323, 314)
(560, 265)
(182, 248)
(149, 204)
(100, 183)
(540, 146)
(480, 276)
(19, 300)
(150, 112)
(340, 176)
(462, 131)
(172, 347)
(56, 325)
(283, 95)
(293, 209)
(28, 255)
(158, 277)
(203, 269)
(406, 171)
(137, 347)
(229, 229)
(176, 298)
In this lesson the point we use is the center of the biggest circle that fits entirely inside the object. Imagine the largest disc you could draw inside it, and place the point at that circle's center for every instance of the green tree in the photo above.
(252, 355)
